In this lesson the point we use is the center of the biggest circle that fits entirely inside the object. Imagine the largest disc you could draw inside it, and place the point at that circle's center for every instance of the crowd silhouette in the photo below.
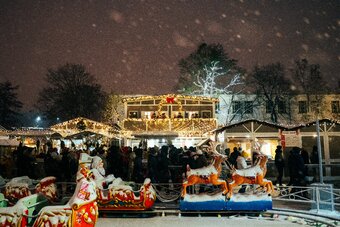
(163, 164)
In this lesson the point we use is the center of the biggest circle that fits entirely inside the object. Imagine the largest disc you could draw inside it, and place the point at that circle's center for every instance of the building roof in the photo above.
(321, 121)
(278, 126)
(149, 97)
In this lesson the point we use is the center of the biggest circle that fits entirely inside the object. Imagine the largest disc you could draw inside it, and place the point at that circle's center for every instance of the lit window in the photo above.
(133, 114)
(206, 114)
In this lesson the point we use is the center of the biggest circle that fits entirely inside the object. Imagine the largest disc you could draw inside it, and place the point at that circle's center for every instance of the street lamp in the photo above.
(37, 120)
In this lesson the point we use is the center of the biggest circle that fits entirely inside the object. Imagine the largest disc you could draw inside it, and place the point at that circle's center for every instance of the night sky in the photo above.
(133, 46)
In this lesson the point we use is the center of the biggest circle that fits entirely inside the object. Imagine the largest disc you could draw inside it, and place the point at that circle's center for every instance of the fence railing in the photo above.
(315, 196)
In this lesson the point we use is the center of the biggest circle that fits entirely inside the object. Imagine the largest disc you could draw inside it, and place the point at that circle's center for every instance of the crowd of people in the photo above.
(297, 161)
(161, 164)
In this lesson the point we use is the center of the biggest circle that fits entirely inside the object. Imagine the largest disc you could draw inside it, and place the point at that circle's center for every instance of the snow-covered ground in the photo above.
(175, 221)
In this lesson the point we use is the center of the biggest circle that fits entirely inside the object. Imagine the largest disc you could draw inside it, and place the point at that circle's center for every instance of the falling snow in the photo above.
(125, 41)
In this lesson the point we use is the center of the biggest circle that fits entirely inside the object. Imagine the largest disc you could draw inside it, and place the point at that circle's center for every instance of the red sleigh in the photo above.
(114, 194)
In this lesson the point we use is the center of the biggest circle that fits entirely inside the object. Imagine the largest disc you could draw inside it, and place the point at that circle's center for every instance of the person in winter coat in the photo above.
(197, 160)
(233, 156)
(153, 165)
(163, 165)
(242, 164)
(296, 167)
(280, 164)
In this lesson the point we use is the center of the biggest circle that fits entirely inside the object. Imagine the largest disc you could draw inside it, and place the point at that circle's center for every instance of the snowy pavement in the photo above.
(175, 221)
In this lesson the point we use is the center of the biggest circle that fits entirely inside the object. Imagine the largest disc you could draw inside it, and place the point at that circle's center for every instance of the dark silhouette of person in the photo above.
(153, 165)
(114, 161)
(233, 156)
(28, 164)
(163, 165)
(138, 175)
(227, 151)
(20, 160)
(296, 167)
(306, 160)
(315, 155)
(197, 160)
(314, 158)
(280, 164)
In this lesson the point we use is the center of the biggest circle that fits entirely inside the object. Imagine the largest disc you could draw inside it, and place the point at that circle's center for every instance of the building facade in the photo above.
(167, 119)
(297, 109)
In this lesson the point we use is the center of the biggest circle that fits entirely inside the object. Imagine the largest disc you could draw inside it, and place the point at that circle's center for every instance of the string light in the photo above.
(72, 127)
(161, 97)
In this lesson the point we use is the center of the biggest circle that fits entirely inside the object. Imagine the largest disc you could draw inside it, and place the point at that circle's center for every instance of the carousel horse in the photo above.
(208, 174)
(251, 175)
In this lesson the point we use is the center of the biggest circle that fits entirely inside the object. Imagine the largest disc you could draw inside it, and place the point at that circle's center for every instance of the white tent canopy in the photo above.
(9, 142)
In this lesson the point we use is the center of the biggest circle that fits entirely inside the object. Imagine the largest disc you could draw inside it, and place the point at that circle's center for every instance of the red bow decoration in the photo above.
(170, 99)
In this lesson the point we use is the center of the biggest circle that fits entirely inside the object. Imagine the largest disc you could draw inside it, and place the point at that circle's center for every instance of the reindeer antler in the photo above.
(213, 147)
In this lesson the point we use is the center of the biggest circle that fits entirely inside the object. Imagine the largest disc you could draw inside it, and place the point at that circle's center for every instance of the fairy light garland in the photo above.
(80, 124)
(178, 96)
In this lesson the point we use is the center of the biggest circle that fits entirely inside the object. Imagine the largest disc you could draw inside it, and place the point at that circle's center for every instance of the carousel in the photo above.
(219, 194)
(42, 209)
(115, 194)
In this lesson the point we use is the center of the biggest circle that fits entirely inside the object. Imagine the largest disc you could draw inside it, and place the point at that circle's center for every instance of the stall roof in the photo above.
(9, 142)
(29, 132)
(82, 126)
(279, 126)
(321, 121)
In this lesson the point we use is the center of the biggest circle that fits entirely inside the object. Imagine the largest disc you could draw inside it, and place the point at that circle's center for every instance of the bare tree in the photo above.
(206, 82)
(272, 89)
(71, 92)
(210, 72)
(310, 82)
(199, 63)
